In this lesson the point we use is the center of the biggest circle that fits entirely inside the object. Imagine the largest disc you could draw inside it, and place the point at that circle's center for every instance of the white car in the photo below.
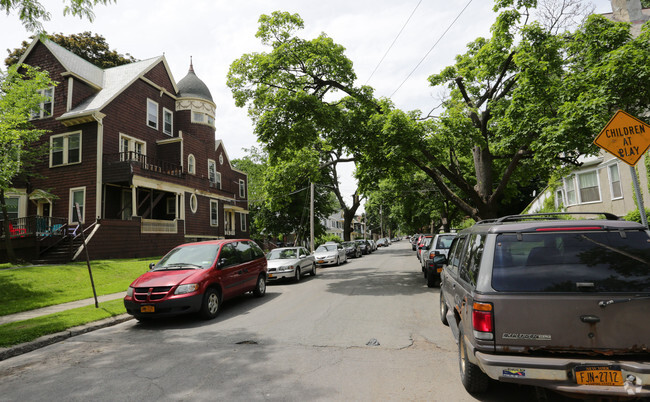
(330, 254)
(289, 262)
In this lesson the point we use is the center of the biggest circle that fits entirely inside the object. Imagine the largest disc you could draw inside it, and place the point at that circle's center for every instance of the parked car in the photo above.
(414, 241)
(289, 262)
(439, 245)
(352, 249)
(423, 243)
(330, 254)
(373, 245)
(363, 245)
(557, 304)
(198, 277)
(383, 242)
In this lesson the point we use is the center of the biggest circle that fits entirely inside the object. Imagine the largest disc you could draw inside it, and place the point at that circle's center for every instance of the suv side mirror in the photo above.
(222, 262)
(153, 264)
(303, 255)
(440, 260)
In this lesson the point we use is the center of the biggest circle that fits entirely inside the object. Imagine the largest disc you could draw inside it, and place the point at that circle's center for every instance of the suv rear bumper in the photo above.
(557, 373)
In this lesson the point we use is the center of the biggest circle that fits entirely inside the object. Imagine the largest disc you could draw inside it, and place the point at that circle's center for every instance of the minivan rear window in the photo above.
(572, 262)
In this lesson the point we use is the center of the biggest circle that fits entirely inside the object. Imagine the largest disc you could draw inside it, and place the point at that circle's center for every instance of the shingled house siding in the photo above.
(159, 75)
(80, 92)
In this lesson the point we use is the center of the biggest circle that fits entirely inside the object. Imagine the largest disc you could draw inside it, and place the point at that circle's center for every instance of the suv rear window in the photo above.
(572, 262)
(444, 242)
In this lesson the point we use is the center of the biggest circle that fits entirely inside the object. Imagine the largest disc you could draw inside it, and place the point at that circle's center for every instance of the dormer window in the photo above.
(46, 107)
(152, 114)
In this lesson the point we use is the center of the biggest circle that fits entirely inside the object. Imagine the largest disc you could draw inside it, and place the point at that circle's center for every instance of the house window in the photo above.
(242, 189)
(168, 122)
(214, 213)
(218, 182)
(193, 203)
(152, 114)
(131, 148)
(65, 149)
(242, 222)
(191, 164)
(615, 182)
(589, 188)
(198, 117)
(559, 199)
(46, 107)
(171, 206)
(212, 172)
(570, 186)
(12, 207)
(77, 196)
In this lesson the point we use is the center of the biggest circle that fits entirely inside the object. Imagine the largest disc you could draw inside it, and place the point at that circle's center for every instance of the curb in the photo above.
(45, 340)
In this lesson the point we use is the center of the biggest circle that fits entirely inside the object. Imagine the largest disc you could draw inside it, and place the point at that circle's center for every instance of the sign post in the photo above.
(83, 237)
(627, 138)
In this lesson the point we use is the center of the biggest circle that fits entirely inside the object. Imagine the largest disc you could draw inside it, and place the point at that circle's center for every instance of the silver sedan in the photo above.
(330, 254)
(289, 262)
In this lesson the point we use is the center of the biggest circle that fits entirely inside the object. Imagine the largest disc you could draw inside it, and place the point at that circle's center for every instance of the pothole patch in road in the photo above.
(247, 343)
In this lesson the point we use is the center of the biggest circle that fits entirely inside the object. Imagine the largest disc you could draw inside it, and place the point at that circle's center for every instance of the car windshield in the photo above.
(572, 262)
(444, 242)
(199, 256)
(326, 247)
(348, 244)
(282, 254)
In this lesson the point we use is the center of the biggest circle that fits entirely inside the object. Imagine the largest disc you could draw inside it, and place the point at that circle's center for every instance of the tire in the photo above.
(260, 286)
(443, 310)
(432, 281)
(296, 277)
(211, 304)
(313, 269)
(474, 380)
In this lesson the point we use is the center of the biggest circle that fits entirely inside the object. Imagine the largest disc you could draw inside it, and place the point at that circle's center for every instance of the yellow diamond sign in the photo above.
(625, 137)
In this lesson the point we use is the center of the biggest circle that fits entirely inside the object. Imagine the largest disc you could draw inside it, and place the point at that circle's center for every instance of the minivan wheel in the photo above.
(313, 269)
(431, 280)
(260, 286)
(443, 309)
(474, 380)
(297, 275)
(211, 304)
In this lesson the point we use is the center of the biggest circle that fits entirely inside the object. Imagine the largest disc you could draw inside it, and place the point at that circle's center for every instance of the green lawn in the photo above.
(30, 287)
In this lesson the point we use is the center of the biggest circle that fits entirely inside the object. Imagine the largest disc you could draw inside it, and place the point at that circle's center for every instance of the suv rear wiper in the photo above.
(605, 303)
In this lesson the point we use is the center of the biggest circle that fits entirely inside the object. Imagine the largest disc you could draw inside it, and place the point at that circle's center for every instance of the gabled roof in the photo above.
(109, 83)
(73, 64)
(218, 143)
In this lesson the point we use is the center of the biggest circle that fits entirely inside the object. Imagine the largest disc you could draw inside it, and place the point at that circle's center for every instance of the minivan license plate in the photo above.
(598, 375)
(147, 309)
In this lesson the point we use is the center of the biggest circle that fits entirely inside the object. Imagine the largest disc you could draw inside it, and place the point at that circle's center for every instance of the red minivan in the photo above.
(198, 277)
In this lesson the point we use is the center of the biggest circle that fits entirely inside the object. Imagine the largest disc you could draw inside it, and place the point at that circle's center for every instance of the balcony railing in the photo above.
(40, 226)
(158, 226)
(145, 162)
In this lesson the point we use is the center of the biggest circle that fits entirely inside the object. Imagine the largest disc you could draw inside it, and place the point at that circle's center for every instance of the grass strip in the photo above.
(18, 332)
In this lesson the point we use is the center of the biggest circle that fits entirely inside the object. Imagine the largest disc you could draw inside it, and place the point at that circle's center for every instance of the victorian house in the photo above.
(132, 160)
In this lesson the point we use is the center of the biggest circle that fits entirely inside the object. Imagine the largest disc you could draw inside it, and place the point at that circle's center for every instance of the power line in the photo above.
(432, 47)
(394, 40)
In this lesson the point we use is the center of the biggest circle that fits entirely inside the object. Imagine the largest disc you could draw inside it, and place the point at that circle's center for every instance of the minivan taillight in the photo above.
(482, 321)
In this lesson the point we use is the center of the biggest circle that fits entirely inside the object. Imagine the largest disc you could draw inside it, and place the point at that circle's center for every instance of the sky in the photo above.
(423, 36)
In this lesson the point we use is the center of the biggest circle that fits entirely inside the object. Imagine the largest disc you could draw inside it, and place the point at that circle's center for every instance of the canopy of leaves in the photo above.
(91, 47)
(32, 13)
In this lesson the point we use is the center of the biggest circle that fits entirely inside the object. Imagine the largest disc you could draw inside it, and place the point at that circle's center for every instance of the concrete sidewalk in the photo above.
(26, 315)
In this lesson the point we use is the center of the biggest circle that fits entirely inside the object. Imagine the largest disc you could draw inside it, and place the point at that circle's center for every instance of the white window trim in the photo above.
(208, 120)
(212, 162)
(191, 164)
(242, 222)
(66, 142)
(71, 204)
(562, 201)
(611, 184)
(216, 203)
(577, 182)
(194, 203)
(171, 202)
(171, 132)
(41, 106)
(218, 178)
(132, 141)
(571, 178)
(242, 184)
(151, 102)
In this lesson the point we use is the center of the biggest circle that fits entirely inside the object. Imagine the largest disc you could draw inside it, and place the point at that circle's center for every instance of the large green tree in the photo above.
(32, 13)
(90, 47)
(294, 96)
(19, 97)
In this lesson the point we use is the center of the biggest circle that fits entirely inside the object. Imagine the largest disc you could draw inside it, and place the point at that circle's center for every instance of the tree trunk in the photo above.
(11, 256)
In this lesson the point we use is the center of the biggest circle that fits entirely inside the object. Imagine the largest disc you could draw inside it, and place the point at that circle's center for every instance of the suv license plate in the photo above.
(598, 375)
(147, 309)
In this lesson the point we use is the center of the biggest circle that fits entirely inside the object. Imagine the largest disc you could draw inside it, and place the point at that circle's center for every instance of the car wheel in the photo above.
(211, 304)
(313, 269)
(296, 277)
(474, 380)
(260, 287)
(443, 309)
(431, 279)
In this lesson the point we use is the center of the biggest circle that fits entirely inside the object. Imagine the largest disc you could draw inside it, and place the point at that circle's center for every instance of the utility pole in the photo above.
(311, 217)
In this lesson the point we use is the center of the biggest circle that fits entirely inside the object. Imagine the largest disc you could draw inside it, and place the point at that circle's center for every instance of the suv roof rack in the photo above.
(542, 216)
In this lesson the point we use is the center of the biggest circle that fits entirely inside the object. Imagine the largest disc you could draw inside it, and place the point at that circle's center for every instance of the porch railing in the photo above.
(145, 162)
(158, 226)
(40, 226)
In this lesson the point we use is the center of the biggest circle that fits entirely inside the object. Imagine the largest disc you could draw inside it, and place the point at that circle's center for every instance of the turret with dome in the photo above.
(194, 95)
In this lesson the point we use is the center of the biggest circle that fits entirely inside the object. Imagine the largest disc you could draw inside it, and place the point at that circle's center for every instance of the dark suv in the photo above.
(559, 304)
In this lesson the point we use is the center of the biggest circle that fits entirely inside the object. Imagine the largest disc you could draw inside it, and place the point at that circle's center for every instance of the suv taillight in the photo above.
(432, 254)
(482, 321)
